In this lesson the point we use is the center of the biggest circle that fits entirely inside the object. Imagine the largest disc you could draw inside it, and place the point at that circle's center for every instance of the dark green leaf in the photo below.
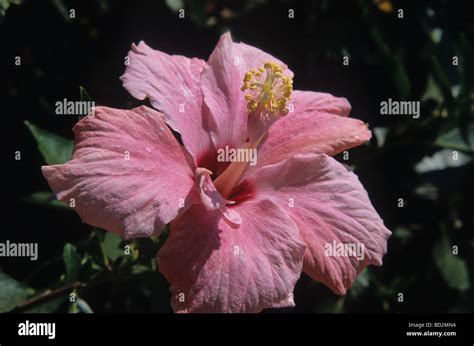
(83, 306)
(5, 4)
(432, 91)
(441, 160)
(72, 262)
(45, 198)
(453, 268)
(73, 309)
(55, 149)
(466, 73)
(175, 5)
(62, 9)
(453, 139)
(140, 268)
(111, 246)
(12, 292)
(443, 82)
(84, 94)
(403, 234)
(198, 12)
(47, 307)
(360, 284)
(400, 79)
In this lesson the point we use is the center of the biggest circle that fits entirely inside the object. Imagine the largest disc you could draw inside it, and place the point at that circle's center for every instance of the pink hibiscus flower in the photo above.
(237, 243)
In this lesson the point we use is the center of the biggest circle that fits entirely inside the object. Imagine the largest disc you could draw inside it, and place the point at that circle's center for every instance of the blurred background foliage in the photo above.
(409, 58)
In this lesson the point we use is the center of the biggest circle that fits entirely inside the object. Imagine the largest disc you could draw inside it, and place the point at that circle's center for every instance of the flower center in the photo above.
(267, 91)
(267, 88)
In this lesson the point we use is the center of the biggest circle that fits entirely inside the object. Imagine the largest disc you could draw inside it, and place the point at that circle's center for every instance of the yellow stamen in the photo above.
(267, 88)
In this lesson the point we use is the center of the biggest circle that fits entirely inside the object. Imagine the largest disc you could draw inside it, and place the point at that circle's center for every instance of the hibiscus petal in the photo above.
(329, 204)
(315, 126)
(310, 101)
(171, 83)
(221, 83)
(213, 267)
(127, 175)
(211, 199)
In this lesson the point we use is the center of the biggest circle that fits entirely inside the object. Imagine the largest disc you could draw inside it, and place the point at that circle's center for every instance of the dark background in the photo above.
(390, 57)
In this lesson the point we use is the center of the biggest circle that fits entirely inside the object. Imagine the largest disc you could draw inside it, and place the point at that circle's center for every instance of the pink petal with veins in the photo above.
(221, 82)
(127, 175)
(211, 199)
(172, 84)
(213, 267)
(315, 126)
(328, 203)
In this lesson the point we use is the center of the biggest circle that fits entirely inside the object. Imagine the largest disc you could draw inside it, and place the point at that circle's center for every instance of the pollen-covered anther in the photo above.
(267, 88)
